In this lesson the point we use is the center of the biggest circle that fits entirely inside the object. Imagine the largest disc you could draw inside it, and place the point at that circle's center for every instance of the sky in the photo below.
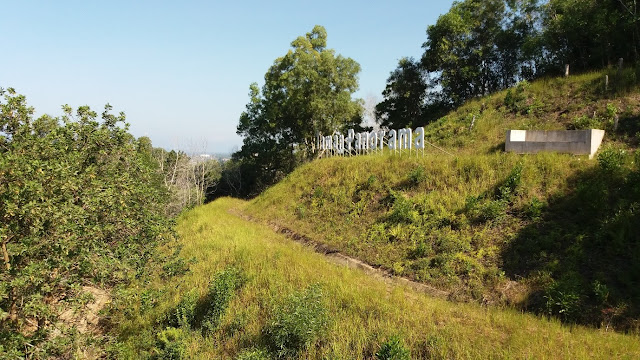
(181, 70)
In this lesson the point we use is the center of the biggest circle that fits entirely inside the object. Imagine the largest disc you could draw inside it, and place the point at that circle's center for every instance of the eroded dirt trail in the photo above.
(337, 257)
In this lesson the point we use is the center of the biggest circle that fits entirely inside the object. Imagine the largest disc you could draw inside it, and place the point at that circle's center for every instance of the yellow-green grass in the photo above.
(364, 311)
(551, 243)
(344, 203)
(578, 101)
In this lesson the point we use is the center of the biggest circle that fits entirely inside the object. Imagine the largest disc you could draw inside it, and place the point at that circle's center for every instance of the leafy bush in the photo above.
(611, 160)
(417, 175)
(393, 349)
(509, 186)
(585, 122)
(184, 314)
(82, 203)
(170, 345)
(493, 210)
(534, 208)
(297, 322)
(175, 267)
(402, 211)
(516, 99)
(564, 303)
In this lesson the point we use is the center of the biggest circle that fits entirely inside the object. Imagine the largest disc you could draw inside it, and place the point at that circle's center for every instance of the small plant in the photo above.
(611, 112)
(184, 314)
(493, 210)
(170, 345)
(254, 354)
(564, 303)
(417, 175)
(510, 184)
(297, 322)
(393, 349)
(516, 99)
(176, 267)
(403, 211)
(601, 292)
(421, 250)
(533, 210)
(371, 181)
(611, 160)
(585, 122)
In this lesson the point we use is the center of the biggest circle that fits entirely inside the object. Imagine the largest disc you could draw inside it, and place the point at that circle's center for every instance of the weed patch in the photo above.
(297, 322)
(393, 349)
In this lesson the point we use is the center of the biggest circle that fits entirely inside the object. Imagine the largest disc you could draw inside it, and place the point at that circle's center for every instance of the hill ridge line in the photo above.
(339, 258)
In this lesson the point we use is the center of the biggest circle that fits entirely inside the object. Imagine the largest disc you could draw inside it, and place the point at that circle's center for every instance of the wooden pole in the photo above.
(566, 70)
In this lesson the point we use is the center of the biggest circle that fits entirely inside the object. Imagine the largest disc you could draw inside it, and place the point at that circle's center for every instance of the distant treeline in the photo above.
(477, 48)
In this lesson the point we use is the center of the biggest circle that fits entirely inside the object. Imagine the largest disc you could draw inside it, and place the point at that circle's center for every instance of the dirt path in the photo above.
(337, 257)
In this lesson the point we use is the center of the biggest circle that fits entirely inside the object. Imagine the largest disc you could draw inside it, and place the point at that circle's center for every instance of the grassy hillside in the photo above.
(250, 293)
(576, 102)
(551, 233)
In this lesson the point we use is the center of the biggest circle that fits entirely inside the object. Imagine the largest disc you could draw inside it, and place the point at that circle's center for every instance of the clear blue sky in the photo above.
(181, 70)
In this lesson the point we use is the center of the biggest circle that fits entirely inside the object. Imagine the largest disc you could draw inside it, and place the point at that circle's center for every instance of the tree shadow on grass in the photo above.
(583, 252)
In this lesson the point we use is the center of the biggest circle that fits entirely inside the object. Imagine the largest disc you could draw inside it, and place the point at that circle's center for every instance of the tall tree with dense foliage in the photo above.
(588, 34)
(477, 47)
(404, 96)
(82, 203)
(307, 91)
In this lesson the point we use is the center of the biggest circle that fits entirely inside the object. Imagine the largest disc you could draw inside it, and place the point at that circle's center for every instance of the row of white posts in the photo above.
(373, 142)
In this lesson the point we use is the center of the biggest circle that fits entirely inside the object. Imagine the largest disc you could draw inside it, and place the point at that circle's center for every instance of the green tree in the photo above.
(479, 47)
(404, 96)
(589, 34)
(82, 203)
(306, 92)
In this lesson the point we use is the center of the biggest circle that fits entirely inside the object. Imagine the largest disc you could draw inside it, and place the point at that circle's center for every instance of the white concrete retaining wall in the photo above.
(578, 142)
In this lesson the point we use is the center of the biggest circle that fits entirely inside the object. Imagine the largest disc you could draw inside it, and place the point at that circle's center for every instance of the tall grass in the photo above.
(365, 314)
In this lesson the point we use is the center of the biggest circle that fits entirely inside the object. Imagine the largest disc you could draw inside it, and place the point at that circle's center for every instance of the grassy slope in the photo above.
(547, 104)
(364, 311)
(554, 233)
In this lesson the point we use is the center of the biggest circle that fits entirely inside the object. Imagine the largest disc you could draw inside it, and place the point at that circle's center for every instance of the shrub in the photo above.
(297, 322)
(417, 175)
(516, 99)
(510, 185)
(493, 210)
(393, 349)
(611, 160)
(563, 302)
(421, 250)
(585, 122)
(170, 345)
(402, 211)
(184, 314)
(533, 210)
(82, 203)
(176, 267)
